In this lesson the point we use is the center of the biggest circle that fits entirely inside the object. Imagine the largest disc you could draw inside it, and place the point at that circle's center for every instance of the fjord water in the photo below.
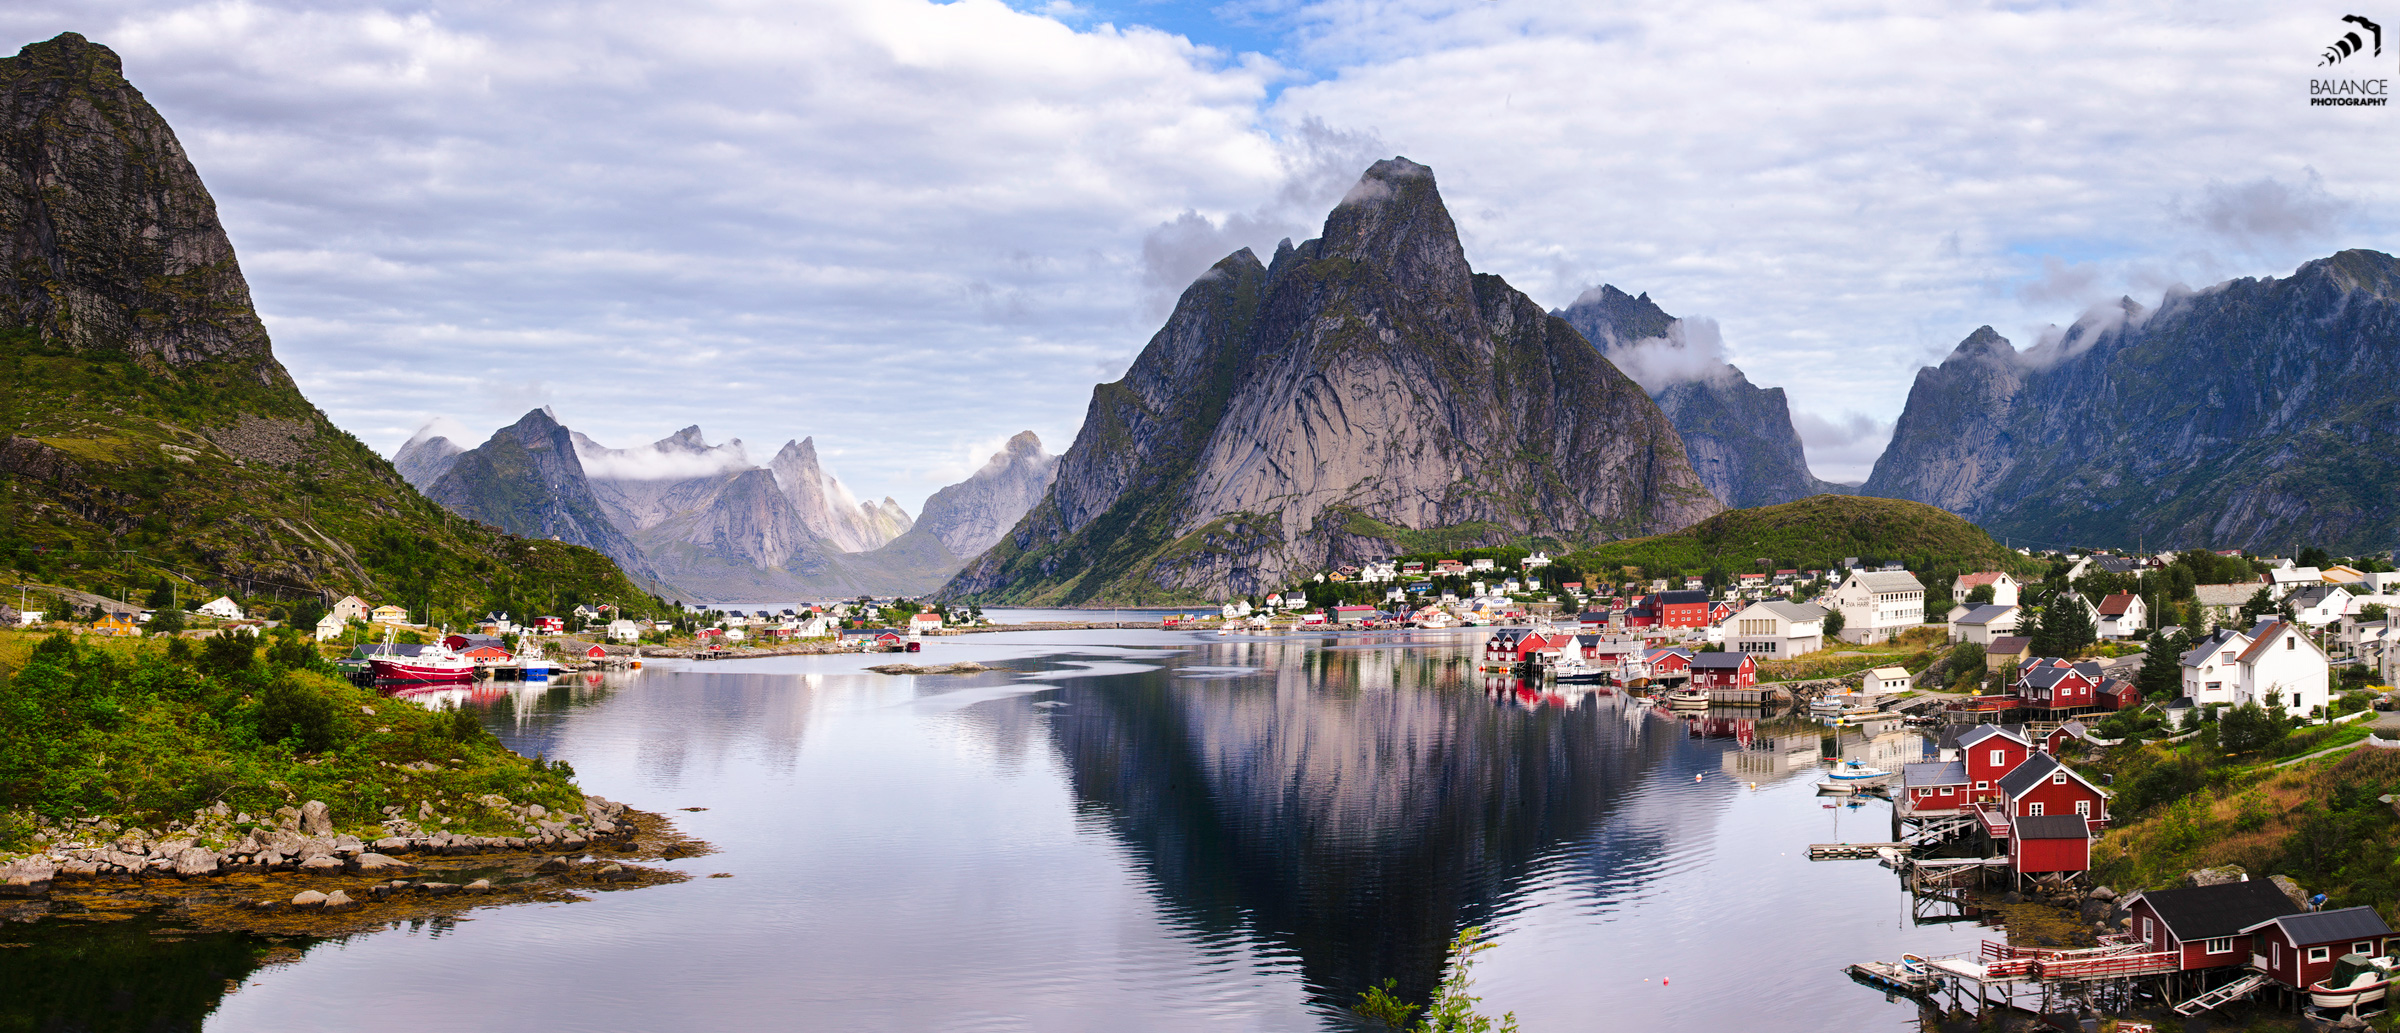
(1150, 830)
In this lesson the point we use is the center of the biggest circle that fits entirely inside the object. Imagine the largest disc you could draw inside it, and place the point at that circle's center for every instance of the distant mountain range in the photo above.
(2257, 413)
(1364, 388)
(1739, 436)
(707, 523)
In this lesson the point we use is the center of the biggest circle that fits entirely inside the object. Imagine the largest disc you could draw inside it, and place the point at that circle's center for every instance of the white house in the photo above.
(2283, 581)
(1484, 563)
(1534, 561)
(331, 626)
(222, 608)
(2274, 659)
(2220, 603)
(1776, 629)
(924, 622)
(2004, 587)
(1983, 623)
(350, 608)
(1877, 604)
(2121, 615)
(1379, 572)
(622, 630)
(2319, 605)
(1884, 680)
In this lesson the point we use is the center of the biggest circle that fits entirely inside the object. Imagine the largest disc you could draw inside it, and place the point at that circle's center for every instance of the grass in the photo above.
(1815, 533)
(143, 732)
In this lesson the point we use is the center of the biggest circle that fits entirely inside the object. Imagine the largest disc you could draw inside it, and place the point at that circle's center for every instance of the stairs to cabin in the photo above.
(2226, 994)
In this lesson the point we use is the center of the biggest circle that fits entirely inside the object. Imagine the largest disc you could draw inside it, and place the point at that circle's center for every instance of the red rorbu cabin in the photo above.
(2299, 949)
(1990, 752)
(2049, 843)
(1724, 671)
(2043, 786)
(2207, 925)
(1685, 609)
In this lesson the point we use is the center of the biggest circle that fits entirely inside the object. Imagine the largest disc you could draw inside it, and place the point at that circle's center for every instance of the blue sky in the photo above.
(911, 229)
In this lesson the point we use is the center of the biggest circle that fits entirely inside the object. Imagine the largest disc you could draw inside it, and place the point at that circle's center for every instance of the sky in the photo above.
(913, 229)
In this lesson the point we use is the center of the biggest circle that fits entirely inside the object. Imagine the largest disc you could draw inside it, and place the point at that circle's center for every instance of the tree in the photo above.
(2249, 728)
(1967, 664)
(1833, 623)
(2064, 629)
(1979, 595)
(2161, 676)
(2261, 603)
(166, 621)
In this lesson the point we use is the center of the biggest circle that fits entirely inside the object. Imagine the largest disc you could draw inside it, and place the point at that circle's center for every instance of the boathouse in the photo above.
(2299, 949)
(1724, 671)
(2208, 926)
(2039, 843)
(1933, 787)
(1668, 663)
(1990, 752)
(479, 648)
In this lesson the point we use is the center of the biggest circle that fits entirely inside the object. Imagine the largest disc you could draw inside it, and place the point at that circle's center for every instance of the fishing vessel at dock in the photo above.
(428, 663)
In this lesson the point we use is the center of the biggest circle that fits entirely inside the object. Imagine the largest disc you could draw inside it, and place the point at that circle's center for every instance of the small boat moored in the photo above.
(1854, 772)
(2356, 979)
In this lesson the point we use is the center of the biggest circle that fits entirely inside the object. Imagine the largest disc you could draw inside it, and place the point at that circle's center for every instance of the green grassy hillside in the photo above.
(1815, 532)
(116, 474)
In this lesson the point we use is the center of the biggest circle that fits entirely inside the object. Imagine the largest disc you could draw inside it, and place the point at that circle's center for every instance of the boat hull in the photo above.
(419, 671)
(2321, 997)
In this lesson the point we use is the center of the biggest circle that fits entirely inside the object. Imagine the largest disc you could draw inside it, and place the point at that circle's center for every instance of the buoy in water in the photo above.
(1662, 980)
(1695, 778)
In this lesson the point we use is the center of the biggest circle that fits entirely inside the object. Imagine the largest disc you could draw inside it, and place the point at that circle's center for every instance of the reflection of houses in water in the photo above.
(1887, 749)
(1764, 758)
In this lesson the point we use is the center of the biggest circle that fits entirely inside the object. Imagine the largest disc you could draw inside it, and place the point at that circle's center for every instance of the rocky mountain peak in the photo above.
(108, 239)
(689, 439)
(1394, 219)
(1985, 344)
(1026, 443)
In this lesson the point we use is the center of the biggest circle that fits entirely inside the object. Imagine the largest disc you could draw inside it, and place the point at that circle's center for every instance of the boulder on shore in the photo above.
(316, 819)
(2217, 876)
(27, 877)
(384, 865)
(2292, 890)
(308, 898)
(195, 861)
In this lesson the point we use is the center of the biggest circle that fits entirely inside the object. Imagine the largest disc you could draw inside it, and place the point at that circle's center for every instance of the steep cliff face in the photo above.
(108, 240)
(971, 516)
(1738, 436)
(2258, 413)
(527, 481)
(425, 458)
(151, 422)
(1368, 383)
(829, 510)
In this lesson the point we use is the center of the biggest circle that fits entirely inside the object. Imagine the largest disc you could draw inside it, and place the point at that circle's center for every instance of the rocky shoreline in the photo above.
(296, 875)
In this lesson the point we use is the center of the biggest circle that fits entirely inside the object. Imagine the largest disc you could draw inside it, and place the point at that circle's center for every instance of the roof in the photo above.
(2315, 594)
(2009, 645)
(1933, 773)
(1986, 614)
(2200, 651)
(2033, 771)
(1887, 581)
(2263, 637)
(1988, 577)
(2226, 595)
(2116, 605)
(2308, 928)
(1889, 673)
(1981, 732)
(2050, 826)
(1682, 597)
(1597, 616)
(1713, 661)
(2117, 564)
(1793, 611)
(2209, 912)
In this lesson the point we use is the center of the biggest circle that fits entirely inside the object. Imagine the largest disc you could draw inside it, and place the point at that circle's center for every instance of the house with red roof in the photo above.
(2121, 615)
(2004, 587)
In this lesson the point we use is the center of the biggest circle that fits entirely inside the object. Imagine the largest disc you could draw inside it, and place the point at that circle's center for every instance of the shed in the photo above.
(2298, 949)
(1886, 680)
(2049, 843)
(596, 652)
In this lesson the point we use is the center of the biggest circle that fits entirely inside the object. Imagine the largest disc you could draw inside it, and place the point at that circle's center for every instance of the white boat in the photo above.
(1688, 699)
(2356, 979)
(1853, 771)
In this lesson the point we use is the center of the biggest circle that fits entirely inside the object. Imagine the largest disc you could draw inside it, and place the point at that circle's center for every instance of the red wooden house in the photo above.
(2061, 735)
(596, 652)
(1668, 663)
(1990, 752)
(2118, 694)
(2048, 684)
(550, 625)
(2042, 786)
(1933, 787)
(2299, 949)
(1680, 609)
(477, 647)
(1720, 611)
(2049, 843)
(1641, 615)
(1501, 647)
(2207, 925)
(1724, 671)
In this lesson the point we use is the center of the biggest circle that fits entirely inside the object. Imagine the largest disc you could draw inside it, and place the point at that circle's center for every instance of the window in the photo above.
(2320, 954)
(2083, 808)
(2033, 810)
(2058, 778)
(2291, 643)
(2362, 947)
(1946, 790)
(2146, 934)
(2275, 955)
(1999, 758)
(2221, 945)
(1981, 786)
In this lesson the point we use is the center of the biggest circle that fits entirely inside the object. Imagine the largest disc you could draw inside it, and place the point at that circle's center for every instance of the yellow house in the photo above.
(391, 615)
(118, 624)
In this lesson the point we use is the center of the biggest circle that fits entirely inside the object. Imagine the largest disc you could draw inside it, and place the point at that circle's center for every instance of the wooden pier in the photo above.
(1853, 851)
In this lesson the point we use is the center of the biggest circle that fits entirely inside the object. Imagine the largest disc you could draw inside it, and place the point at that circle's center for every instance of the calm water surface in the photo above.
(1154, 830)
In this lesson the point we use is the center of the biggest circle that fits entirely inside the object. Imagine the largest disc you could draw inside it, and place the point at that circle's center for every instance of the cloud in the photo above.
(652, 463)
(1318, 163)
(1842, 449)
(2267, 213)
(445, 427)
(2061, 282)
(1693, 349)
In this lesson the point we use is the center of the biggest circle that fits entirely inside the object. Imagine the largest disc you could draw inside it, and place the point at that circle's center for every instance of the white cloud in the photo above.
(1841, 449)
(1693, 349)
(898, 225)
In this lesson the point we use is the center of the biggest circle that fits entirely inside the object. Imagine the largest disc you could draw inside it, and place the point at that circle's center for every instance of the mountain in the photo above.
(155, 435)
(972, 515)
(1366, 385)
(706, 523)
(1739, 436)
(425, 458)
(2253, 414)
(528, 481)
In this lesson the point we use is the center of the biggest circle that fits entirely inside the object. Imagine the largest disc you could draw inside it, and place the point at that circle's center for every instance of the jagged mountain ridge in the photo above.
(2256, 413)
(709, 524)
(1738, 436)
(153, 425)
(1365, 385)
(425, 458)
